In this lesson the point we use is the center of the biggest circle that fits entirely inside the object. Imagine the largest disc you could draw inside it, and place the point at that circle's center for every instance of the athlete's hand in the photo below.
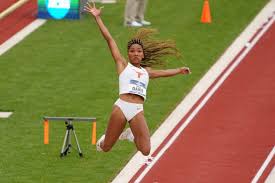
(92, 9)
(185, 70)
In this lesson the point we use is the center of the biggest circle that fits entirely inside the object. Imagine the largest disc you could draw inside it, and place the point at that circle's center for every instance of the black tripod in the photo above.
(67, 140)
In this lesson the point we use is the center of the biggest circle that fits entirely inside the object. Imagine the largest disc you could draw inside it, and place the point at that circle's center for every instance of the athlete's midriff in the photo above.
(132, 98)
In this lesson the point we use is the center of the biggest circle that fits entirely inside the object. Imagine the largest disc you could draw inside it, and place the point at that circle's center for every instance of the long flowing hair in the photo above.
(155, 50)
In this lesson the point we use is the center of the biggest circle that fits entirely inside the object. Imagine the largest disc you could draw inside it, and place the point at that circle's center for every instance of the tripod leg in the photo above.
(78, 146)
(65, 144)
(69, 141)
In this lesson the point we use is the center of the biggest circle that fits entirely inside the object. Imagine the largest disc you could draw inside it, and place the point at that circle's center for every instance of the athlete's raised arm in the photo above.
(168, 72)
(119, 59)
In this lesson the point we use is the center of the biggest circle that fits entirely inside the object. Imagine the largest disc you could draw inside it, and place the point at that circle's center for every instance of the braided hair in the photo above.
(154, 50)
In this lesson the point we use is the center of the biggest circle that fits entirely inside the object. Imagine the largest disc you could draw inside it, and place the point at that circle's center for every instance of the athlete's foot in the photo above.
(127, 135)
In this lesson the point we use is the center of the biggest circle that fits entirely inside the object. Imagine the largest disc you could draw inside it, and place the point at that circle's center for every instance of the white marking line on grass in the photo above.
(207, 97)
(5, 114)
(19, 36)
(200, 88)
(271, 177)
(263, 167)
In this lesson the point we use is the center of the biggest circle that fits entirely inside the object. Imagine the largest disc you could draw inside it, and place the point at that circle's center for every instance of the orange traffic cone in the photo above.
(206, 15)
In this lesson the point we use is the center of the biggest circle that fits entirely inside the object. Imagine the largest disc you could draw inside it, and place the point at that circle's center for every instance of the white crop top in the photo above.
(133, 80)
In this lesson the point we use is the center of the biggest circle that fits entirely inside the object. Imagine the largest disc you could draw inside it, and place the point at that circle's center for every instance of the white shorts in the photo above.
(129, 110)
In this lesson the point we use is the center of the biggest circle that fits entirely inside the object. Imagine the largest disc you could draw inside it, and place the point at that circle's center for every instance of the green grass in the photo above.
(65, 69)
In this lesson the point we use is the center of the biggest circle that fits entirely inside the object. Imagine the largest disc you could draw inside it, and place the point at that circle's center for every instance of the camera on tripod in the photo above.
(67, 145)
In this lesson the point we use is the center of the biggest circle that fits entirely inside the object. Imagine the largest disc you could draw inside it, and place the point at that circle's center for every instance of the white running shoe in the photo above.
(133, 24)
(98, 148)
(127, 135)
(144, 22)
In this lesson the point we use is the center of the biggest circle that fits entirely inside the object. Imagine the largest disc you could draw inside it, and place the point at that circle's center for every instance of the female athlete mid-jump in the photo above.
(143, 54)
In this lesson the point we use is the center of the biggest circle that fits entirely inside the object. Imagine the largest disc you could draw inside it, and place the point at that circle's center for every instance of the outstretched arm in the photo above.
(167, 73)
(119, 60)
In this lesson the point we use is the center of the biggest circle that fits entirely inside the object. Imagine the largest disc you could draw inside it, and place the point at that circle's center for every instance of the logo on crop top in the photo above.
(139, 73)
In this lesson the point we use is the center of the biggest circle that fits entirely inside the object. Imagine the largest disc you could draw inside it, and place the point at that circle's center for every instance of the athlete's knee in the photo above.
(145, 150)
(143, 145)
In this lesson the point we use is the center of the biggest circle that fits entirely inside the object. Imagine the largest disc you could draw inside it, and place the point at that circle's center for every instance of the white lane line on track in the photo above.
(271, 177)
(264, 165)
(19, 36)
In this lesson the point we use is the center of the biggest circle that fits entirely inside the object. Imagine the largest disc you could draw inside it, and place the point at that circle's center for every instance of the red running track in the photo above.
(5, 4)
(17, 20)
(231, 136)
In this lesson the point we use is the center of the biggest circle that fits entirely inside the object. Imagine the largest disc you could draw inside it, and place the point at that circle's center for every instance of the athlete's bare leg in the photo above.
(141, 133)
(115, 127)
